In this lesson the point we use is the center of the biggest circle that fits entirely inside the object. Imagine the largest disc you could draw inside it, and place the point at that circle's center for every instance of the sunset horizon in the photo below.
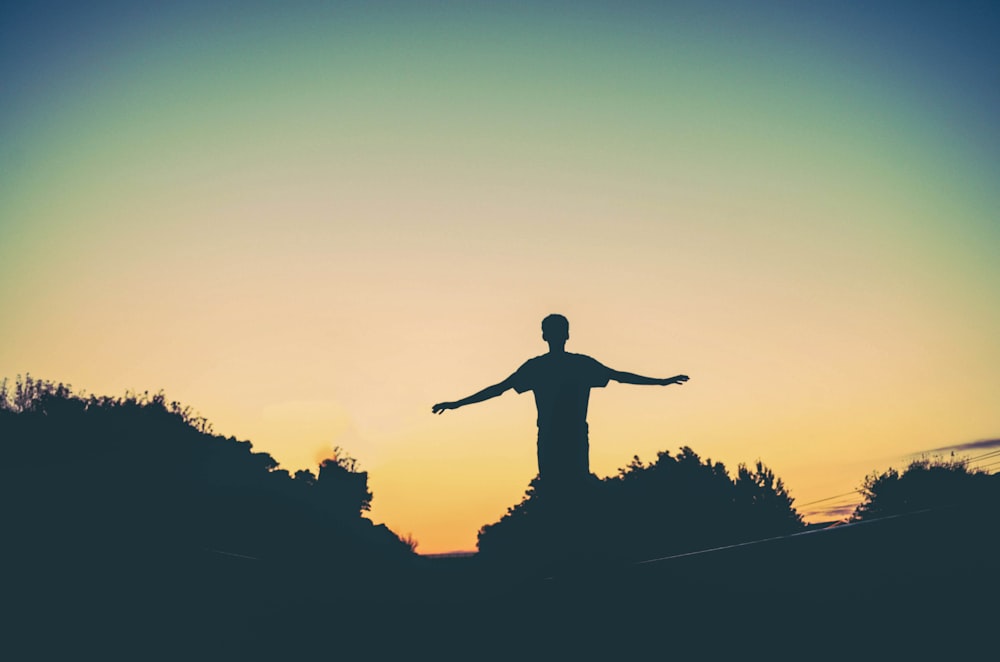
(311, 222)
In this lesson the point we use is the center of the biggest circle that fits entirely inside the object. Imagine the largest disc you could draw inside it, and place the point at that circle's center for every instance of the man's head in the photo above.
(555, 329)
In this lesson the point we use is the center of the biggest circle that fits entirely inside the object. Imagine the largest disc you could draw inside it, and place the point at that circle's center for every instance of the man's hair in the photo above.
(555, 327)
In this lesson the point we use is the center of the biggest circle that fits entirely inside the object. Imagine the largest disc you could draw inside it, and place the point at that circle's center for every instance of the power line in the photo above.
(836, 496)
(834, 505)
(837, 511)
(979, 457)
(831, 501)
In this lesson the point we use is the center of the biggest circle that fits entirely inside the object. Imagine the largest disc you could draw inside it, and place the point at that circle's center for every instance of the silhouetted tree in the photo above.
(927, 484)
(305, 476)
(764, 507)
(141, 470)
(343, 487)
(671, 505)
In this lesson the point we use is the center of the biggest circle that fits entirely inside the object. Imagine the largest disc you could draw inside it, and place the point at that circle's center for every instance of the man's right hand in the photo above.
(441, 406)
(676, 379)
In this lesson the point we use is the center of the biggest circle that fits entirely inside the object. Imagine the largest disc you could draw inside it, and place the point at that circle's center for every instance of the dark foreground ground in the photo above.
(922, 586)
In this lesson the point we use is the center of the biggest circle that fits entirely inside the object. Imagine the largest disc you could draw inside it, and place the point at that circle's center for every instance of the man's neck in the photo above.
(557, 348)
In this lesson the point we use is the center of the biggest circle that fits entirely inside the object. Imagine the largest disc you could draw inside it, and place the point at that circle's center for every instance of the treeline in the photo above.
(138, 472)
(671, 505)
(131, 530)
(678, 504)
(931, 484)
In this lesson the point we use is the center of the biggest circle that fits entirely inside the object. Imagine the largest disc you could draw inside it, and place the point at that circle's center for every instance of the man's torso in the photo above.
(561, 384)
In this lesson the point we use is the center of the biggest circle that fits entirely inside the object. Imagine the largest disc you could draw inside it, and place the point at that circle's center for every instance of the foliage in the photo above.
(764, 505)
(411, 542)
(671, 505)
(343, 485)
(927, 484)
(117, 470)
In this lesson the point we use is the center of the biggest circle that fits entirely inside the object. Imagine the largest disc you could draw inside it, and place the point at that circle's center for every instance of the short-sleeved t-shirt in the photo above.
(561, 383)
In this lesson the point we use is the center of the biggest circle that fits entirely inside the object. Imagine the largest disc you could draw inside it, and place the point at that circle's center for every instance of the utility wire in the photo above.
(829, 506)
(832, 500)
(836, 496)
(979, 457)
(982, 456)
(837, 511)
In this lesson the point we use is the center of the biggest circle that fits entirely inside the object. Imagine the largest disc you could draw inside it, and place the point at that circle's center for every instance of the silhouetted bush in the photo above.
(928, 484)
(669, 506)
(139, 471)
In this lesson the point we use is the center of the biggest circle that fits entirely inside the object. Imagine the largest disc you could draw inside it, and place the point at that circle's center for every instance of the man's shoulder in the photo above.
(534, 361)
(528, 375)
(530, 367)
(559, 362)
(583, 358)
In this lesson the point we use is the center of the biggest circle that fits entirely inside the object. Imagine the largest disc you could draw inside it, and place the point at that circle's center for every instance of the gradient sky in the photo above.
(312, 221)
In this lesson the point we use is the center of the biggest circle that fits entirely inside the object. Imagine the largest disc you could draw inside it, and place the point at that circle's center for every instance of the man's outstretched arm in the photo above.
(631, 378)
(485, 394)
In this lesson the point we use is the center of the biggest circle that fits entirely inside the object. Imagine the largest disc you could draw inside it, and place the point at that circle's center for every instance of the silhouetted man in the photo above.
(561, 382)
